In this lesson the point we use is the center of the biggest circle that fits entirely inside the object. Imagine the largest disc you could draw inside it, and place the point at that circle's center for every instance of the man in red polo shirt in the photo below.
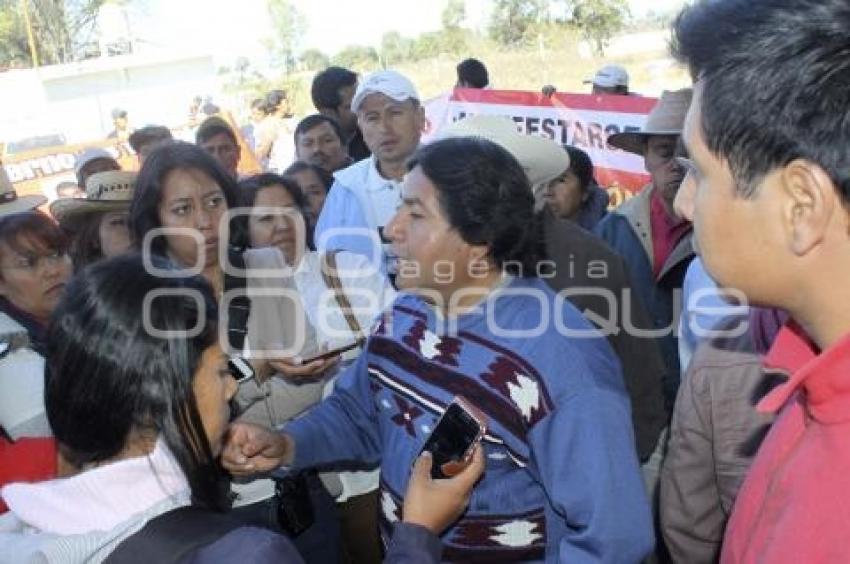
(769, 131)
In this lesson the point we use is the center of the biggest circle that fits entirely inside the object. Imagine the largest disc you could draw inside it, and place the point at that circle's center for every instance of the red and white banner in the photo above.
(582, 120)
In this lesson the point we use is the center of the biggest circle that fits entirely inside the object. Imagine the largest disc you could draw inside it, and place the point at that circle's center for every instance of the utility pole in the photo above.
(30, 36)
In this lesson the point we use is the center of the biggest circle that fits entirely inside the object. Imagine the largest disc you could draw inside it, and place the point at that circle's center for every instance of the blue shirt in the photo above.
(704, 307)
(562, 482)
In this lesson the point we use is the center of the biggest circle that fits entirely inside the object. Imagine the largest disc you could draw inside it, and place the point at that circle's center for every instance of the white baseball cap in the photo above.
(610, 76)
(89, 155)
(387, 82)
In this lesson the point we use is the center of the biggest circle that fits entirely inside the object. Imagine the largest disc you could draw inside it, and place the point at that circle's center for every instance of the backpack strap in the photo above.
(239, 308)
(168, 538)
(332, 281)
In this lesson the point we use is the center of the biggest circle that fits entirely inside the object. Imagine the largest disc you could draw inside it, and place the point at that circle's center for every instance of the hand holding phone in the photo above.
(313, 366)
(453, 438)
(331, 353)
(436, 504)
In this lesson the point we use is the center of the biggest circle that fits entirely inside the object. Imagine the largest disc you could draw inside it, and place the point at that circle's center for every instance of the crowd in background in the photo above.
(198, 365)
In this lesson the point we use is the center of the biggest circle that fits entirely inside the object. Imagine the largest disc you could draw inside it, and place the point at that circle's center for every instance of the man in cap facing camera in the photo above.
(366, 194)
(610, 79)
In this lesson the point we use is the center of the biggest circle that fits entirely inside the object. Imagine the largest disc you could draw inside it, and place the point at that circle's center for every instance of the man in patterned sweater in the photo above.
(562, 481)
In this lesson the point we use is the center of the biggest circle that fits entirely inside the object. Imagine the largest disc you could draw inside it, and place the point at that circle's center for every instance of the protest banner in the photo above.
(582, 120)
(41, 171)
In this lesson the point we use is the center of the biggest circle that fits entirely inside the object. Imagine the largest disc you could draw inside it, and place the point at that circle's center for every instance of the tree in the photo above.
(395, 49)
(427, 45)
(453, 14)
(314, 59)
(289, 26)
(598, 20)
(512, 19)
(60, 30)
(357, 57)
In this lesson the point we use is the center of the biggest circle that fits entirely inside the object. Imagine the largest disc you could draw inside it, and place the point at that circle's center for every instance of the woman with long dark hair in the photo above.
(137, 392)
(182, 209)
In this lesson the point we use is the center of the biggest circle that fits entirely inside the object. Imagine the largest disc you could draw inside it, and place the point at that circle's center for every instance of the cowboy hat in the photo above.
(542, 159)
(666, 118)
(105, 191)
(10, 202)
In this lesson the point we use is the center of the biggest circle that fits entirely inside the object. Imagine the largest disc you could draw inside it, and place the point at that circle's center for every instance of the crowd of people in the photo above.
(202, 366)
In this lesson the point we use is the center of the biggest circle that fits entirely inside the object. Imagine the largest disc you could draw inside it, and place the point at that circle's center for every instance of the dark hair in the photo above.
(325, 177)
(581, 166)
(85, 239)
(108, 379)
(148, 135)
(774, 76)
(259, 103)
(327, 84)
(144, 208)
(274, 99)
(316, 120)
(473, 72)
(213, 126)
(485, 195)
(31, 232)
(250, 187)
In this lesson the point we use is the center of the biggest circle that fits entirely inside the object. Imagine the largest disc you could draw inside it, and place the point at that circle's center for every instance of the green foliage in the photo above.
(517, 22)
(14, 51)
(61, 29)
(395, 49)
(511, 20)
(289, 26)
(357, 57)
(313, 59)
(453, 14)
(427, 45)
(599, 20)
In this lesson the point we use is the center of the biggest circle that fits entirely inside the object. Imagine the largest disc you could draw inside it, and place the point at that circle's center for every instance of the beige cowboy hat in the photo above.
(542, 159)
(105, 192)
(10, 202)
(666, 118)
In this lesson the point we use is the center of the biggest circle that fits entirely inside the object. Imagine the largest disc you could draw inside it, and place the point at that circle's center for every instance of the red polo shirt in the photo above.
(667, 231)
(794, 506)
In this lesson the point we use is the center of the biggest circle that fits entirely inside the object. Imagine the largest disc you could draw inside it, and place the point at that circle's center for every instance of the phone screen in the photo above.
(452, 438)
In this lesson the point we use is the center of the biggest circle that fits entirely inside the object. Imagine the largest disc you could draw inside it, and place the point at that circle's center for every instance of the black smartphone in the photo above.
(458, 430)
(331, 353)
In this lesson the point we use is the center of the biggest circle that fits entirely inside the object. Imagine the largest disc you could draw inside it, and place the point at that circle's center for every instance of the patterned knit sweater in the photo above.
(562, 481)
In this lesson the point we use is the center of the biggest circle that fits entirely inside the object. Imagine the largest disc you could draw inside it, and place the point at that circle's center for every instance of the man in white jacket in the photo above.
(366, 194)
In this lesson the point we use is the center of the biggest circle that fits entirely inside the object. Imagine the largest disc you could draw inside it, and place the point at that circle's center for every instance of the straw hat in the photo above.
(105, 191)
(666, 118)
(542, 159)
(11, 203)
